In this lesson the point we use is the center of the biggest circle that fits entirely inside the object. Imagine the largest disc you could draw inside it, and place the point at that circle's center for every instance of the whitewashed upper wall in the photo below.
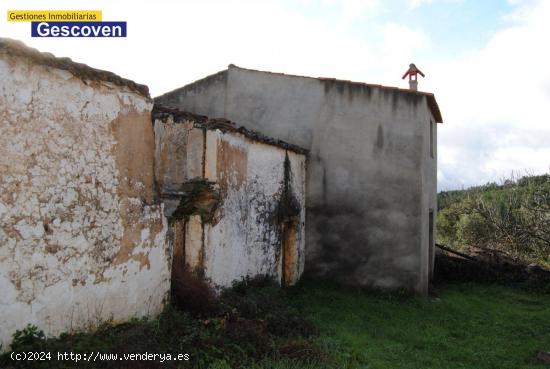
(82, 234)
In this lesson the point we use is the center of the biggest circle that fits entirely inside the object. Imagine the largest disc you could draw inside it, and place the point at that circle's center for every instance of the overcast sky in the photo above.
(488, 62)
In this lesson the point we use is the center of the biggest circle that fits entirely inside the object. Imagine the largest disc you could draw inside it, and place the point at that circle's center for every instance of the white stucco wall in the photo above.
(82, 234)
(246, 239)
(243, 237)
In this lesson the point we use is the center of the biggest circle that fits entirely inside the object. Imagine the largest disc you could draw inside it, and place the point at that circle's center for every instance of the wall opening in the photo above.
(431, 242)
(432, 135)
(289, 252)
(178, 251)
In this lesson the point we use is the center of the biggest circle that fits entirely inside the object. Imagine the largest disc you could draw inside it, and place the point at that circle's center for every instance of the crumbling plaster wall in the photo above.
(370, 179)
(245, 238)
(82, 234)
(242, 237)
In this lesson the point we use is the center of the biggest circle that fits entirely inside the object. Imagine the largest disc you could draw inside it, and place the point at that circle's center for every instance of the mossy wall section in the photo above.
(228, 212)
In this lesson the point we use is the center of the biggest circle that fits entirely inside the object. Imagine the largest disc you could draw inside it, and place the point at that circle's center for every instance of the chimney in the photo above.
(413, 73)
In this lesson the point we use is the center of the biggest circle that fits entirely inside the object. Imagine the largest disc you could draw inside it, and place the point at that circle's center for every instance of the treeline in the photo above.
(512, 217)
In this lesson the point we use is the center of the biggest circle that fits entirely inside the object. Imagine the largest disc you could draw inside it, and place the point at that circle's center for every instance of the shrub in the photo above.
(29, 338)
(513, 217)
(240, 327)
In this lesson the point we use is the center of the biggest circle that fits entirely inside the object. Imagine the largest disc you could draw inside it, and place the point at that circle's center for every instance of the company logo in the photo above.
(78, 29)
(54, 15)
(68, 23)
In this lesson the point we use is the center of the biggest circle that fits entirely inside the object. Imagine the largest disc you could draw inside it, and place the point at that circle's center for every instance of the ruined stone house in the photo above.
(372, 165)
(104, 199)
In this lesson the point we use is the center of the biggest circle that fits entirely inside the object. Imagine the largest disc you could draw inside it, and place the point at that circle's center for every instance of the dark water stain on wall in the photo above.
(349, 89)
(379, 144)
(343, 241)
(289, 212)
(289, 206)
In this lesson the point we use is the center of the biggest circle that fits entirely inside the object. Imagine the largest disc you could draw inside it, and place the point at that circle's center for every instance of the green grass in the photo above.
(470, 326)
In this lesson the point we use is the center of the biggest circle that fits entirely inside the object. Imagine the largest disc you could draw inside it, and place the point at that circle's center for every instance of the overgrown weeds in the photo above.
(191, 293)
(249, 323)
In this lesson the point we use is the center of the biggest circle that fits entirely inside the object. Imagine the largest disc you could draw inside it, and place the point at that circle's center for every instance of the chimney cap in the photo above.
(413, 71)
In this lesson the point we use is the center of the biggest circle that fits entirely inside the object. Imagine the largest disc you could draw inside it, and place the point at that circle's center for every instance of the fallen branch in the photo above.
(444, 248)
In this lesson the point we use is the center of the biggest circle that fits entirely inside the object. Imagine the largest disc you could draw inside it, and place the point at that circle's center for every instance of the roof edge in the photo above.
(193, 84)
(162, 113)
(431, 101)
(84, 72)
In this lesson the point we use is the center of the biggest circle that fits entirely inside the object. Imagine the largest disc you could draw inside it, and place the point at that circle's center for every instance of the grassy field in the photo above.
(467, 326)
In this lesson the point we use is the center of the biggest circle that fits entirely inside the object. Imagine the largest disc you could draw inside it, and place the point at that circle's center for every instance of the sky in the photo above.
(488, 62)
